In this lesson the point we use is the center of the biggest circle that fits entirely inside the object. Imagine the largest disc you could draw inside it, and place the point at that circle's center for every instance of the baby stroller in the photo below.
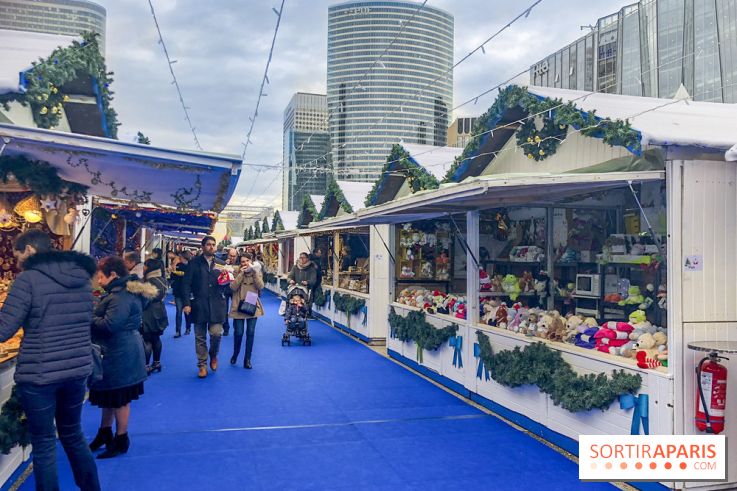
(295, 317)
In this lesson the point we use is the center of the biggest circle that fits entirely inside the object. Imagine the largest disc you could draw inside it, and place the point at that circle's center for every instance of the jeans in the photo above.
(63, 402)
(152, 344)
(179, 301)
(238, 325)
(200, 340)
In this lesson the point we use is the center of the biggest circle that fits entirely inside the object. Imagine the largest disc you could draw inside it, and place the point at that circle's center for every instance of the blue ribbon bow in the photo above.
(364, 311)
(640, 414)
(457, 343)
(481, 369)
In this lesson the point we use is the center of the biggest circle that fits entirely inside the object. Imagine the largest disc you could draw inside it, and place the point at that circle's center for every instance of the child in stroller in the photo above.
(295, 316)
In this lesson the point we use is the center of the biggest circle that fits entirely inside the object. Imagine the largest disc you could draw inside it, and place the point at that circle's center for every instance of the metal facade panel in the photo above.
(709, 232)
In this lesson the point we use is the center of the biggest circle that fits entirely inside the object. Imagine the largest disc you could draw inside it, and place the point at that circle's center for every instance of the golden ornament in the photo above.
(529, 139)
(542, 152)
(44, 110)
(537, 139)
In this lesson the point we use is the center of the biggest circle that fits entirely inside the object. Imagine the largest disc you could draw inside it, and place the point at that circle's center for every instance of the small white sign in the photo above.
(693, 263)
(662, 458)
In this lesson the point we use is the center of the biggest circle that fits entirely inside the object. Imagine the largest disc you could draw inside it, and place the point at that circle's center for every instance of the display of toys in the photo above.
(510, 285)
(531, 254)
(484, 281)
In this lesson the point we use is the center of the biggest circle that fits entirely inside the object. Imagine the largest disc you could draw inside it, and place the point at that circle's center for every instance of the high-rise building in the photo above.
(306, 149)
(459, 132)
(649, 49)
(376, 98)
(67, 17)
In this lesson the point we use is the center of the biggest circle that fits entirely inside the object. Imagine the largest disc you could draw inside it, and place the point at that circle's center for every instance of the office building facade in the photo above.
(381, 92)
(66, 17)
(459, 132)
(649, 49)
(306, 152)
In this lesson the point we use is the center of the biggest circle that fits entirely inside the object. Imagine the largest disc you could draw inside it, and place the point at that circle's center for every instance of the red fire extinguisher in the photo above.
(711, 394)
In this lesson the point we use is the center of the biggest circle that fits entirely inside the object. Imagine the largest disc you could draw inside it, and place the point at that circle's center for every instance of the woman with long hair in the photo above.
(115, 327)
(247, 280)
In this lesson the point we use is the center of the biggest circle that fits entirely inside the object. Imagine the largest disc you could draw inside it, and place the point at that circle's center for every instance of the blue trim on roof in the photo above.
(492, 123)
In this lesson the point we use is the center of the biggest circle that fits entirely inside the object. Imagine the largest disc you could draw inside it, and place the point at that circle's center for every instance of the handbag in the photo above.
(96, 374)
(249, 304)
(282, 307)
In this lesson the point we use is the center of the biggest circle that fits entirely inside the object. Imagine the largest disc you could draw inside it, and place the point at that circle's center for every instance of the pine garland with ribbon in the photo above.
(13, 425)
(46, 78)
(399, 162)
(538, 364)
(308, 213)
(414, 327)
(556, 116)
(40, 177)
(348, 304)
(333, 192)
(321, 296)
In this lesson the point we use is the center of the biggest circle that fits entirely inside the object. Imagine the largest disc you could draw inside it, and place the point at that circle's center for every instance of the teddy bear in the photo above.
(489, 311)
(510, 285)
(500, 316)
(634, 296)
(554, 326)
(426, 269)
(526, 282)
(573, 323)
(647, 352)
(528, 324)
(627, 350)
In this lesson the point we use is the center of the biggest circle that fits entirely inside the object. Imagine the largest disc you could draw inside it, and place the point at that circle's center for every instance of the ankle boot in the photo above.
(156, 367)
(247, 363)
(119, 446)
(237, 340)
(104, 437)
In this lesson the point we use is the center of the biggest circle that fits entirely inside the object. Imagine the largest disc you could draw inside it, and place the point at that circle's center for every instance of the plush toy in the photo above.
(586, 338)
(554, 325)
(510, 284)
(461, 311)
(489, 308)
(634, 296)
(442, 267)
(615, 331)
(406, 272)
(613, 298)
(540, 284)
(627, 350)
(520, 319)
(662, 297)
(513, 317)
(500, 317)
(426, 269)
(484, 281)
(573, 324)
(496, 284)
(647, 352)
(526, 282)
(649, 297)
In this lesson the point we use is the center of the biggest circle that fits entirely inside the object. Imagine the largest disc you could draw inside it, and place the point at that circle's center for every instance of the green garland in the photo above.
(348, 304)
(40, 177)
(307, 213)
(398, 162)
(334, 192)
(539, 144)
(537, 364)
(47, 77)
(276, 222)
(414, 327)
(321, 297)
(13, 425)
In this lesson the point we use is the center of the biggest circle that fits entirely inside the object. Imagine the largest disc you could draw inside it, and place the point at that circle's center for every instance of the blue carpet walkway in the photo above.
(328, 417)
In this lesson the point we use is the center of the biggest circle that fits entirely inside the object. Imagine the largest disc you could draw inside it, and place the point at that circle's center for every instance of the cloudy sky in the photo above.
(221, 47)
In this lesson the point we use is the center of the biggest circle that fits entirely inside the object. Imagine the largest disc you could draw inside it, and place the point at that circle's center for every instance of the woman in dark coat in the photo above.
(248, 279)
(115, 327)
(155, 320)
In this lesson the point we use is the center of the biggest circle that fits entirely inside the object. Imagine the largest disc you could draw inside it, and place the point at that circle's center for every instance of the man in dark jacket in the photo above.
(52, 300)
(177, 278)
(207, 304)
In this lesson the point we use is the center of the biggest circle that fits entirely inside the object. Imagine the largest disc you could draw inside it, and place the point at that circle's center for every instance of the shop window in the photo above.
(322, 256)
(353, 262)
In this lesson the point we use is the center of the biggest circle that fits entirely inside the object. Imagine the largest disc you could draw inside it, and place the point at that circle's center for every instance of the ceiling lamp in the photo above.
(30, 209)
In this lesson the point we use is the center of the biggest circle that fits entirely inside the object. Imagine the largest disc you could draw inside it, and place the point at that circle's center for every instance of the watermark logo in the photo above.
(652, 458)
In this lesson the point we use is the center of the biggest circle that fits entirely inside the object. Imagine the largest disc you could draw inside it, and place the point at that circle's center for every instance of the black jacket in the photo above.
(155, 319)
(207, 299)
(52, 300)
(115, 326)
(177, 278)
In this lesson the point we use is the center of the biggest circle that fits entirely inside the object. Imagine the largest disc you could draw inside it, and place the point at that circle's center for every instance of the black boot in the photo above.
(247, 363)
(104, 437)
(237, 340)
(119, 446)
(156, 367)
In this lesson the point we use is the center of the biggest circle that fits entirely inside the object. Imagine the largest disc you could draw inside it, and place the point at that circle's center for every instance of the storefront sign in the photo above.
(693, 263)
(660, 458)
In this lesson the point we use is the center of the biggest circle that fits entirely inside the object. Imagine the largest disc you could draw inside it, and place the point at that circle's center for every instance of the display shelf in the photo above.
(509, 261)
(442, 317)
(412, 280)
(352, 292)
(503, 294)
(592, 354)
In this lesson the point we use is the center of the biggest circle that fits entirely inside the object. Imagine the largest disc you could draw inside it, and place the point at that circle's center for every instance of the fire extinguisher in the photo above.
(711, 394)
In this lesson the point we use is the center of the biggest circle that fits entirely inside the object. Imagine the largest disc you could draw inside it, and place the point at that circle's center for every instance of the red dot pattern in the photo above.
(668, 465)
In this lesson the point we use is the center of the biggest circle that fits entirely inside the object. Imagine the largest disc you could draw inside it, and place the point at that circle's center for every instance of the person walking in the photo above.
(304, 273)
(155, 320)
(207, 305)
(177, 279)
(52, 300)
(115, 327)
(231, 264)
(247, 280)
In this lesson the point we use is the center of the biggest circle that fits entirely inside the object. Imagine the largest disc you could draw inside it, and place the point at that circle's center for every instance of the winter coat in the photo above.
(115, 327)
(300, 273)
(155, 320)
(177, 278)
(251, 281)
(294, 310)
(52, 300)
(202, 292)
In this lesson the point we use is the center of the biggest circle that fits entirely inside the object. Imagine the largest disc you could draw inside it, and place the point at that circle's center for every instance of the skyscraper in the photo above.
(306, 149)
(366, 89)
(649, 49)
(67, 17)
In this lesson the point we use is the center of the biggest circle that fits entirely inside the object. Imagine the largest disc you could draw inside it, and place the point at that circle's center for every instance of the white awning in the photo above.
(130, 172)
(490, 192)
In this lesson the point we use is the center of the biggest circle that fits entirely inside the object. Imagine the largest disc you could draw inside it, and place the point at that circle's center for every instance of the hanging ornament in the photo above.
(48, 204)
(44, 110)
(29, 209)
